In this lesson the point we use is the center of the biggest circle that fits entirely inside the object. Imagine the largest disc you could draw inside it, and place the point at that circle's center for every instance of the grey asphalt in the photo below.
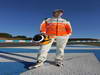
(74, 64)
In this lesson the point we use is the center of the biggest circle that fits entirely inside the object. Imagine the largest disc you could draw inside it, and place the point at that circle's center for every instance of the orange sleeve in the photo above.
(68, 28)
(43, 26)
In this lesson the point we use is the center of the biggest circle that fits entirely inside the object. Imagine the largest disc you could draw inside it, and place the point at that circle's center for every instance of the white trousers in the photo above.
(61, 42)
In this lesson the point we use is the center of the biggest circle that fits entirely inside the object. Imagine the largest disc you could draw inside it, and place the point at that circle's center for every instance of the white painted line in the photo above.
(8, 40)
(37, 47)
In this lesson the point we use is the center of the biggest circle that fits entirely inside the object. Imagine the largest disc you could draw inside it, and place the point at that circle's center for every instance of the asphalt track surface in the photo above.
(82, 61)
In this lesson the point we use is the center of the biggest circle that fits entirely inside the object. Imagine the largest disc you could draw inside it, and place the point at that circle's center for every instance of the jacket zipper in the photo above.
(57, 27)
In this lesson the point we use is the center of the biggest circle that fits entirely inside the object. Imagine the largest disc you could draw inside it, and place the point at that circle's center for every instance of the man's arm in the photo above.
(43, 26)
(68, 27)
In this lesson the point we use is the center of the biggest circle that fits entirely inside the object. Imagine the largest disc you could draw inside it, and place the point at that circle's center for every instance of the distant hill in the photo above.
(7, 36)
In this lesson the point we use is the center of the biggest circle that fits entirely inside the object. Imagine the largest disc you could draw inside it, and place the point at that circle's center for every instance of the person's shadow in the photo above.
(22, 61)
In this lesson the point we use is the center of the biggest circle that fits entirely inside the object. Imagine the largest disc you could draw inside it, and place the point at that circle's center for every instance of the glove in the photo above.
(44, 34)
(70, 34)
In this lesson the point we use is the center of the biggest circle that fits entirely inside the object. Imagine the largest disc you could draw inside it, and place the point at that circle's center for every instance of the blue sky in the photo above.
(23, 17)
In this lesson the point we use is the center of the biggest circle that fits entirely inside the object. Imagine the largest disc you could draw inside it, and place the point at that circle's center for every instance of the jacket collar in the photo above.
(56, 17)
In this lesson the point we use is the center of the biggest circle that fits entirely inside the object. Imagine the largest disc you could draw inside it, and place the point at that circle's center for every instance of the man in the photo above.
(59, 30)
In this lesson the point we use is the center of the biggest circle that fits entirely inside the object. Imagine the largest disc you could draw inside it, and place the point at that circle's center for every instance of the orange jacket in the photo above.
(56, 27)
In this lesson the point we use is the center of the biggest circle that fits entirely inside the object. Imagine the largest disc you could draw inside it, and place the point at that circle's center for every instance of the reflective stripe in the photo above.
(62, 30)
(52, 34)
(55, 21)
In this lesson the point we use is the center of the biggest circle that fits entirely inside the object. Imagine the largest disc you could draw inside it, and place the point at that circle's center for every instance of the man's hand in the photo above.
(69, 34)
(44, 34)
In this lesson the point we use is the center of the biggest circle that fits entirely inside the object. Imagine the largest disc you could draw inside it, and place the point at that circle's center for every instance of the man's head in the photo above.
(58, 13)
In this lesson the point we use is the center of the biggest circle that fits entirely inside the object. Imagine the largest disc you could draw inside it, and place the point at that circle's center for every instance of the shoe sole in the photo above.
(34, 67)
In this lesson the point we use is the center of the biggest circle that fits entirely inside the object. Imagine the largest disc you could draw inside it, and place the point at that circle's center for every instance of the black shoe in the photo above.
(59, 63)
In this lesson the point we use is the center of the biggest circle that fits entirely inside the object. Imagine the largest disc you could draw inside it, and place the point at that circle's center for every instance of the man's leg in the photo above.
(61, 44)
(42, 55)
